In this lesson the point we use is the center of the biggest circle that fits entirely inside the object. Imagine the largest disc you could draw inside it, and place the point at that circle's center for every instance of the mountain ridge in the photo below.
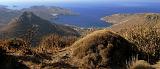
(45, 12)
(29, 21)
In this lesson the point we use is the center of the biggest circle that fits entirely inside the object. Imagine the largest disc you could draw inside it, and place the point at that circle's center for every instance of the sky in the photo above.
(78, 1)
(75, 2)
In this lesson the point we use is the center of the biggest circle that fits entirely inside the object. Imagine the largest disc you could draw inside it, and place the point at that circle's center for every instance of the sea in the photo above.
(89, 15)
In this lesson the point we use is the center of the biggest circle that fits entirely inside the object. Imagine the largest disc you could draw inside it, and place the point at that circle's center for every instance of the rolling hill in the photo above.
(128, 21)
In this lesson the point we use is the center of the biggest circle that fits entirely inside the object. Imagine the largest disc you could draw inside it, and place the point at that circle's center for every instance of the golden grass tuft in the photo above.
(140, 64)
(157, 65)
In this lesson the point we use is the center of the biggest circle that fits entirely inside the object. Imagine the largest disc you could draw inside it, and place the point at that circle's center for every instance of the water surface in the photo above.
(90, 14)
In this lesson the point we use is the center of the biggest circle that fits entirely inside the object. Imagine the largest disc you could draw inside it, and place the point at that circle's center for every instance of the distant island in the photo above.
(125, 21)
(48, 13)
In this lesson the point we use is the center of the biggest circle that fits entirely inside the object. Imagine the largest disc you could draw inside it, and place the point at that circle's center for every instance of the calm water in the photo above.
(89, 15)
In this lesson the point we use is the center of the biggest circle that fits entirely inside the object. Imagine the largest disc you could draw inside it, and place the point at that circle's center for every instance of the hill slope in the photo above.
(99, 49)
(48, 13)
(124, 21)
(30, 23)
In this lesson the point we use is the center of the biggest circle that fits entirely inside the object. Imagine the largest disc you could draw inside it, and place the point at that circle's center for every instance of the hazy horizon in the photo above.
(117, 2)
(69, 1)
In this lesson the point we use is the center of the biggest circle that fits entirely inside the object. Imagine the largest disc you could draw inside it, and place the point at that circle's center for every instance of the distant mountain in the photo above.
(48, 13)
(7, 14)
(29, 22)
(124, 21)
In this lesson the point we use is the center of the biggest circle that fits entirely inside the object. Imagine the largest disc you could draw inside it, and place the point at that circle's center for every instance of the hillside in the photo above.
(104, 49)
(125, 21)
(29, 24)
(7, 14)
(48, 13)
(99, 49)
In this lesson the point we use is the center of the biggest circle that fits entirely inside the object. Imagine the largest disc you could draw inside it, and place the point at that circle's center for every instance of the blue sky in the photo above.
(69, 2)
(59, 1)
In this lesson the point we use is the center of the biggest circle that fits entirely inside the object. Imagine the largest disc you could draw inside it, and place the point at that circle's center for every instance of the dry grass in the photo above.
(140, 64)
(134, 63)
(101, 49)
(54, 43)
(8, 60)
(37, 57)
(157, 65)
(146, 39)
(17, 52)
(16, 46)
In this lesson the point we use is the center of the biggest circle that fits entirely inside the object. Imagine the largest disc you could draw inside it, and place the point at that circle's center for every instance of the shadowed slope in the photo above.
(9, 61)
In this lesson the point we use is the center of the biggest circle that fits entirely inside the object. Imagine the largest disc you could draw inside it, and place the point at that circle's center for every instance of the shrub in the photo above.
(54, 43)
(9, 61)
(147, 40)
(15, 45)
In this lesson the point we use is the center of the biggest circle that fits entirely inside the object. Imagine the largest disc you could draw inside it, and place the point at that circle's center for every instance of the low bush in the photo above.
(54, 43)
(147, 40)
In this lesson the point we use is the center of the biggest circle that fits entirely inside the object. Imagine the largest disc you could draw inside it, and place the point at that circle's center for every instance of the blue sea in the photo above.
(90, 14)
